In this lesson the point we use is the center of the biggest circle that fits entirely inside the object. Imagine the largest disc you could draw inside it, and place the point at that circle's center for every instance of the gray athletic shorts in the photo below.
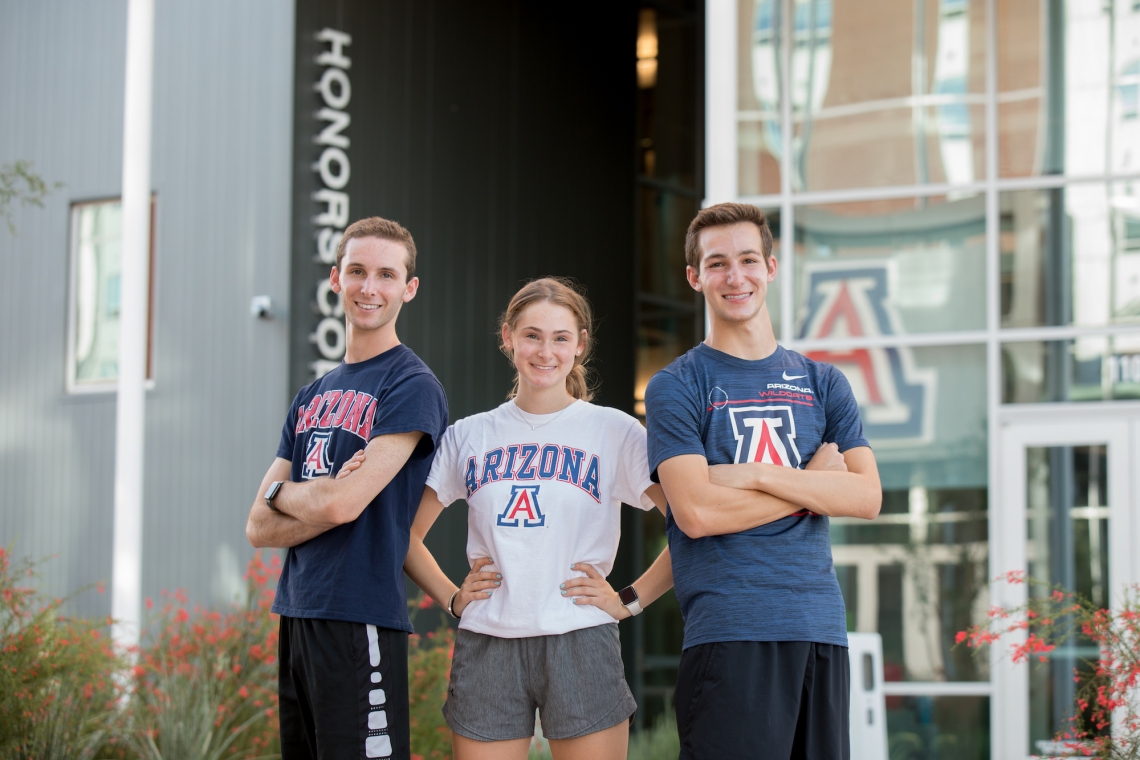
(575, 680)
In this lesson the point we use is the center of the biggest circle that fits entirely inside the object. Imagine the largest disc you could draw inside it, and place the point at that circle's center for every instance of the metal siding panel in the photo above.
(221, 170)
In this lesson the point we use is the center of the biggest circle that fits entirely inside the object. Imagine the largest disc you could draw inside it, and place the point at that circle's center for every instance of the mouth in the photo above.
(366, 306)
(544, 367)
(737, 297)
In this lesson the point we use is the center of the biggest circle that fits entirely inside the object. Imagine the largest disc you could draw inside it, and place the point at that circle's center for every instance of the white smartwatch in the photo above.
(629, 598)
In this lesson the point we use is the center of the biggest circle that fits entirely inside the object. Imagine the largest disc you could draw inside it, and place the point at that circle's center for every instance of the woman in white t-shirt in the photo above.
(544, 476)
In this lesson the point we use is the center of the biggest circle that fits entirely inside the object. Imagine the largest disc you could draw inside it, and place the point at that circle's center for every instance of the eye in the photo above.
(562, 338)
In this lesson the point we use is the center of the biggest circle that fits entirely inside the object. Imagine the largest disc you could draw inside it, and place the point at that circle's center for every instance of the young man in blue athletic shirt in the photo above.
(756, 446)
(343, 652)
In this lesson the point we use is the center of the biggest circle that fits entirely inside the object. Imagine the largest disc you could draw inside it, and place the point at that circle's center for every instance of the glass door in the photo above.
(1065, 517)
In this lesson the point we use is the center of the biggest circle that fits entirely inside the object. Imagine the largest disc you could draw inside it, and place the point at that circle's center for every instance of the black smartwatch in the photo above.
(629, 598)
(271, 494)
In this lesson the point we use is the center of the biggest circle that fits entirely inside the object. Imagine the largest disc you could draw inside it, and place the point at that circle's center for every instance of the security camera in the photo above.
(259, 306)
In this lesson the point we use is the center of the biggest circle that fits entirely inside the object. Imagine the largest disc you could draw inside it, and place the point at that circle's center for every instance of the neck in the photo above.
(542, 400)
(362, 345)
(751, 340)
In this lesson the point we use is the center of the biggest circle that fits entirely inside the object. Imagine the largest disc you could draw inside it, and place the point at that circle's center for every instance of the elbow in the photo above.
(252, 535)
(872, 504)
(690, 522)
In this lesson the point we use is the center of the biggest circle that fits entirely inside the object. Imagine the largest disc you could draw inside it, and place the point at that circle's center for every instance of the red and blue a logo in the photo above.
(853, 299)
(765, 434)
(317, 456)
(522, 509)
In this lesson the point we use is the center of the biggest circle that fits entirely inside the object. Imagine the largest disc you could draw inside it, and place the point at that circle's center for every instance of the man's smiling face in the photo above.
(734, 274)
(371, 281)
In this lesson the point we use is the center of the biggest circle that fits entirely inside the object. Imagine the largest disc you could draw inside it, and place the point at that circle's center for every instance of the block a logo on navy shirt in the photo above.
(317, 455)
(765, 434)
(853, 299)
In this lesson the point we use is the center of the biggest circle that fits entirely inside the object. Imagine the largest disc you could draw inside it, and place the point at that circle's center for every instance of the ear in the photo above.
(334, 280)
(582, 338)
(506, 337)
(411, 289)
(771, 267)
(694, 278)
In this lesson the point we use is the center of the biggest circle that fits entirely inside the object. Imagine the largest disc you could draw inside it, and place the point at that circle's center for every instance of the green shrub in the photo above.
(56, 694)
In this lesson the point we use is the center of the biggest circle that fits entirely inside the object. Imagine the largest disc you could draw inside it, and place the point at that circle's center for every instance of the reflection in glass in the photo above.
(1067, 509)
(759, 81)
(1067, 87)
(1097, 368)
(886, 94)
(911, 265)
(917, 573)
(96, 293)
(1071, 255)
(938, 728)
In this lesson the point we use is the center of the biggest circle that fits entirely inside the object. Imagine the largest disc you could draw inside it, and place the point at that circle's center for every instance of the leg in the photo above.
(740, 699)
(471, 749)
(823, 731)
(298, 732)
(608, 744)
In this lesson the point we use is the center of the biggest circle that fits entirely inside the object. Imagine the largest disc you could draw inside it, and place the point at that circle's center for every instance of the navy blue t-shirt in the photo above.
(775, 582)
(355, 572)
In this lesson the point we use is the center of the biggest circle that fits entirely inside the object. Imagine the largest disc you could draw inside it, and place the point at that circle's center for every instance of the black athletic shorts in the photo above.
(343, 689)
(775, 700)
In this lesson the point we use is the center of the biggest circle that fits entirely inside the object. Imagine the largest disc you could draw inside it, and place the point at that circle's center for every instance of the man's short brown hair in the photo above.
(722, 215)
(385, 229)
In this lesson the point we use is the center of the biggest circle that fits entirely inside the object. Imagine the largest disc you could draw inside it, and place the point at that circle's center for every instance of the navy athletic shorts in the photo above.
(777, 700)
(344, 691)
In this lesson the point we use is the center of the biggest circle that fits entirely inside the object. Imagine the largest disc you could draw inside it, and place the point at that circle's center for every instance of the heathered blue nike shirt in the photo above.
(775, 582)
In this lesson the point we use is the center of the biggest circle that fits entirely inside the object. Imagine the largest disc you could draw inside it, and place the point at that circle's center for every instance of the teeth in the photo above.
(368, 306)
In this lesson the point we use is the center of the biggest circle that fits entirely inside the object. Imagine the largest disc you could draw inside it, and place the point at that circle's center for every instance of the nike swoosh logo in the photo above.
(793, 377)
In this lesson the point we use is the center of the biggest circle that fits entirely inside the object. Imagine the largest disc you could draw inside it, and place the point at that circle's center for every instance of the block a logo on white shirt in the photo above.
(523, 510)
(317, 455)
(765, 434)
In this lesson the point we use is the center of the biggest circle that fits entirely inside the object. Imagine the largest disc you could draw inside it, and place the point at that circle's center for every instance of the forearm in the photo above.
(656, 580)
(829, 493)
(269, 529)
(425, 572)
(313, 502)
(713, 510)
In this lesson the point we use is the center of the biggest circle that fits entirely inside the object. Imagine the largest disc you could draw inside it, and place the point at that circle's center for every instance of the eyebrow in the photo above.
(720, 255)
(556, 332)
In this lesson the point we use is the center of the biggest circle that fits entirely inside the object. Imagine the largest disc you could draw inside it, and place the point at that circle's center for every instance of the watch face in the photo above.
(627, 595)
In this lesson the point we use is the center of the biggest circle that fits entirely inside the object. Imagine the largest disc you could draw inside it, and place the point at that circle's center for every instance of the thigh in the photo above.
(472, 749)
(298, 734)
(356, 679)
(608, 744)
(488, 699)
(740, 699)
(580, 682)
(823, 731)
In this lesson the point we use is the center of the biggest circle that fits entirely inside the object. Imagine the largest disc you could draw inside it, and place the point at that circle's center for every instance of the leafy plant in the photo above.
(429, 669)
(56, 695)
(206, 687)
(19, 183)
(1105, 722)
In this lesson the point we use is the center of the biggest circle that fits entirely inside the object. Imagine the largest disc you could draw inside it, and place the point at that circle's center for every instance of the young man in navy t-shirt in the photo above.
(756, 446)
(343, 651)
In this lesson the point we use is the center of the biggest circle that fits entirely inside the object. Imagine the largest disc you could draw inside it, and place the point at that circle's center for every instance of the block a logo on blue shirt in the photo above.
(523, 510)
(317, 456)
(765, 434)
(852, 299)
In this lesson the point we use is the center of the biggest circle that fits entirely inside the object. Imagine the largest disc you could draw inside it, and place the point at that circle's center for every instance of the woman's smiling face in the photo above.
(544, 344)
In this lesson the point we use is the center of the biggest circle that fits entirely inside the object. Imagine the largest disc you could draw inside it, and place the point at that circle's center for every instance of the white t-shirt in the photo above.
(540, 500)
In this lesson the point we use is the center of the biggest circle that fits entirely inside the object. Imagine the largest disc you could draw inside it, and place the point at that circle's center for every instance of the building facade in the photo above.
(954, 188)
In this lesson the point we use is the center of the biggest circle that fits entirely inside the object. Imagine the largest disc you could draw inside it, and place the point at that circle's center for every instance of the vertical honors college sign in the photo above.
(321, 198)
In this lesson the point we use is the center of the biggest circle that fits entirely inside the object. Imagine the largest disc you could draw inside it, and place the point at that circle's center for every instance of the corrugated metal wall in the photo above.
(222, 152)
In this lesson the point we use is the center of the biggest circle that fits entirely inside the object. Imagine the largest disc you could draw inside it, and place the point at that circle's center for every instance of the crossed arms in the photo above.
(309, 509)
(730, 498)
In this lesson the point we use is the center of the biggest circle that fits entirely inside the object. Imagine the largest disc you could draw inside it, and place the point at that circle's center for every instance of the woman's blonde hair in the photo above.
(559, 291)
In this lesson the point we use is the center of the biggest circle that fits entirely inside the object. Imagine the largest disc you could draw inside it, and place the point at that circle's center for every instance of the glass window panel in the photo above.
(889, 267)
(888, 94)
(1098, 368)
(759, 83)
(1067, 509)
(933, 728)
(95, 325)
(1068, 87)
(1071, 255)
(917, 573)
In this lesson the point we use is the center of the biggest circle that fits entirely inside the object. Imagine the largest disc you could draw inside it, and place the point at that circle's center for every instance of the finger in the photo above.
(582, 583)
(485, 576)
(589, 570)
(482, 585)
(480, 562)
